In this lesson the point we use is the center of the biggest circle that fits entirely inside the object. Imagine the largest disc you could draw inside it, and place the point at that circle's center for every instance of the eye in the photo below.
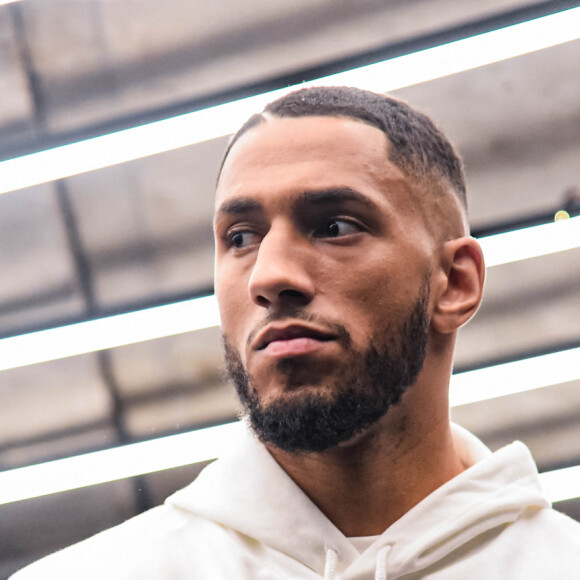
(241, 239)
(336, 227)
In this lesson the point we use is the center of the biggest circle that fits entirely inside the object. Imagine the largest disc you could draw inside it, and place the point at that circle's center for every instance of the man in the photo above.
(343, 270)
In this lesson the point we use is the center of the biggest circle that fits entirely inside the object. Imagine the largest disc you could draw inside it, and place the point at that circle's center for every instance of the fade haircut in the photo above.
(417, 146)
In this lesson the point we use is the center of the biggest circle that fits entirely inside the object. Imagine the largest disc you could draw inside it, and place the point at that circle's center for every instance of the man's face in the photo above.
(322, 276)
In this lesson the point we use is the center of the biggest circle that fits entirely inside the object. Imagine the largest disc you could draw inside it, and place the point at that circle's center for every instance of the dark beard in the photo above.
(370, 383)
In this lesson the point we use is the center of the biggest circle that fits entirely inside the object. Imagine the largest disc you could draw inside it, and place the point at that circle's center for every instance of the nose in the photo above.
(280, 276)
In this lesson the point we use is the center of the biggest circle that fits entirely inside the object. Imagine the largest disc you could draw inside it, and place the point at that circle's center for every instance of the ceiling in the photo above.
(139, 233)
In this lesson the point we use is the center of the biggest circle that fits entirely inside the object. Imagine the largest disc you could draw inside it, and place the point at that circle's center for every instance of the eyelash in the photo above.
(323, 228)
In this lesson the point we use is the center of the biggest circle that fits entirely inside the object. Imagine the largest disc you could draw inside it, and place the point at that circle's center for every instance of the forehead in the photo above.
(307, 153)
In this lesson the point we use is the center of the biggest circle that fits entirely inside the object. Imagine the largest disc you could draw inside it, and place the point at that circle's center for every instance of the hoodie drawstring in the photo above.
(381, 569)
(330, 565)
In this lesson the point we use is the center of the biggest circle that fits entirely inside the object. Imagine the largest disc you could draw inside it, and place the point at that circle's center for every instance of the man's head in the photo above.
(340, 265)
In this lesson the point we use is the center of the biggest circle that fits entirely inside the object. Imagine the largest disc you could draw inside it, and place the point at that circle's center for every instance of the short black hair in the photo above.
(418, 147)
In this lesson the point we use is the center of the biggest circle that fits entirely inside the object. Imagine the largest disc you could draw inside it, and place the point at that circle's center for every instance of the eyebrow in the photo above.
(333, 196)
(239, 206)
(307, 199)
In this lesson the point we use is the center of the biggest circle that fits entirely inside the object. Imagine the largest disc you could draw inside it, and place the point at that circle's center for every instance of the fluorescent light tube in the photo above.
(468, 387)
(116, 463)
(166, 453)
(515, 377)
(108, 332)
(561, 484)
(531, 242)
(198, 126)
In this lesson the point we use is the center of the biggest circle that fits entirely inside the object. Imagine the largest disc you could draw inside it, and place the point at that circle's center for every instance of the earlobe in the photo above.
(462, 277)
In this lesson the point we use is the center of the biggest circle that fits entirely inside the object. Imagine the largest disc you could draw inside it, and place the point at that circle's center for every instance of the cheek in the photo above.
(229, 296)
(379, 298)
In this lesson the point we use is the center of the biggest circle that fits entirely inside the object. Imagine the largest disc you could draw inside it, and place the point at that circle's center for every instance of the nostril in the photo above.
(293, 297)
(288, 296)
(262, 301)
(291, 294)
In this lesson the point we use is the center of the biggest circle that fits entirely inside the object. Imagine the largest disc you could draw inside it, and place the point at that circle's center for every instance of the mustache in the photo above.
(342, 334)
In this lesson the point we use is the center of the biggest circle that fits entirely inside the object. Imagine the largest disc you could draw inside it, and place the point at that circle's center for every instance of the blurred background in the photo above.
(138, 234)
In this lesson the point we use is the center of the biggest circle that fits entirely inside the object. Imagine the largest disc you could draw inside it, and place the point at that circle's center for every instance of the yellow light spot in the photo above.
(561, 215)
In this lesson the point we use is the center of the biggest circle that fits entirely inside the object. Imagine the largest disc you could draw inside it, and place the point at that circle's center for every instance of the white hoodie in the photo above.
(243, 518)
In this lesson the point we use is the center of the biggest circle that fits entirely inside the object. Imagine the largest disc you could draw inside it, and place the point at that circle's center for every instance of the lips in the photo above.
(273, 334)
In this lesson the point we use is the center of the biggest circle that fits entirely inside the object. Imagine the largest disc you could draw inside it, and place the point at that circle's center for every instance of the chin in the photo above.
(281, 391)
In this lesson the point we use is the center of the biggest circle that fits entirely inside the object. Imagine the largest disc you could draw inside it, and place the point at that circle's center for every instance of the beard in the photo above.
(370, 381)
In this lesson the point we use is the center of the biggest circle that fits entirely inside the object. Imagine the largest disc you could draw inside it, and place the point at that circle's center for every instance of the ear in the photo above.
(461, 284)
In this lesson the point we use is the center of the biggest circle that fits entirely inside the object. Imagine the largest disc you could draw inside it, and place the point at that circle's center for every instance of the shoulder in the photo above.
(555, 527)
(136, 549)
(547, 541)
(540, 531)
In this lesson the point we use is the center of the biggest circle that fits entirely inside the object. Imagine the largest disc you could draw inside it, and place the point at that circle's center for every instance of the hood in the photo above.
(247, 491)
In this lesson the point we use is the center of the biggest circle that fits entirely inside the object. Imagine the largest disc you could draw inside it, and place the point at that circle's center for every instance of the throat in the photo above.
(365, 486)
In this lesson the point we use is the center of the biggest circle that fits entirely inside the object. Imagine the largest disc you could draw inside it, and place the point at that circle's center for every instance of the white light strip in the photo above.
(515, 377)
(169, 452)
(561, 484)
(117, 463)
(389, 75)
(199, 313)
(531, 242)
(109, 332)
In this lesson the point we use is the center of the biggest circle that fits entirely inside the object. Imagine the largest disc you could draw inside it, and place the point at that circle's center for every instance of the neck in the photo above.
(366, 484)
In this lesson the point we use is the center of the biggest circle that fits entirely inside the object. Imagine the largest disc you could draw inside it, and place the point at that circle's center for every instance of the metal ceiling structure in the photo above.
(139, 234)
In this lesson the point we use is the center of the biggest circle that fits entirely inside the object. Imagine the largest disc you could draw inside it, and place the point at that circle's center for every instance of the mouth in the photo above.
(293, 334)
